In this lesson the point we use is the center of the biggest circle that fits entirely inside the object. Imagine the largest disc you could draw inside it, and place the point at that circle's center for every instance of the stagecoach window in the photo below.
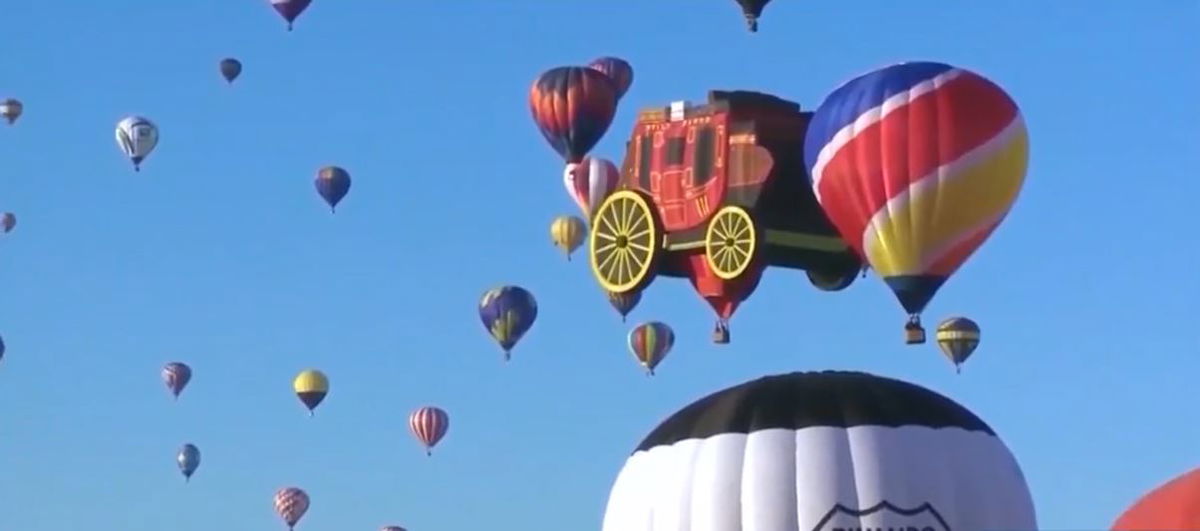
(645, 152)
(675, 148)
(702, 155)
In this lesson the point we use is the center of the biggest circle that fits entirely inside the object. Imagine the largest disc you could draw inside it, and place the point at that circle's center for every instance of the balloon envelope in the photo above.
(290, 504)
(176, 376)
(230, 69)
(136, 137)
(916, 164)
(290, 9)
(429, 424)
(10, 110)
(618, 70)
(188, 459)
(1174, 505)
(573, 107)
(508, 312)
(821, 451)
(311, 387)
(332, 183)
(8, 221)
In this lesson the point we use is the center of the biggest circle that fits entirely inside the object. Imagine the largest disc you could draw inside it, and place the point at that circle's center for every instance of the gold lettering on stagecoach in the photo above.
(691, 135)
(720, 162)
(702, 205)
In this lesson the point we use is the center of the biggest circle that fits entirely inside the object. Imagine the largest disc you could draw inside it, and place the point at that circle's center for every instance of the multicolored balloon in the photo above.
(916, 164)
(618, 70)
(230, 69)
(651, 342)
(573, 107)
(188, 460)
(821, 451)
(137, 137)
(290, 9)
(333, 183)
(957, 337)
(11, 109)
(290, 504)
(567, 233)
(8, 221)
(1172, 505)
(429, 425)
(176, 376)
(590, 181)
(507, 312)
(753, 9)
(624, 303)
(311, 386)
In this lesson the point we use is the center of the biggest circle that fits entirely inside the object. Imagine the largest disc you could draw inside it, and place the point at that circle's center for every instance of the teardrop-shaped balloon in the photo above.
(618, 70)
(957, 337)
(573, 107)
(311, 387)
(567, 233)
(2, 348)
(290, 9)
(230, 69)
(188, 459)
(333, 183)
(752, 9)
(650, 343)
(137, 137)
(625, 302)
(429, 425)
(8, 221)
(590, 181)
(916, 164)
(176, 376)
(290, 504)
(11, 109)
(507, 312)
(392, 528)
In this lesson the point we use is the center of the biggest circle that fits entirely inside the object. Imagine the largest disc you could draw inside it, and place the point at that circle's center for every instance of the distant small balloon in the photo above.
(11, 109)
(1, 348)
(8, 221)
(137, 137)
(567, 233)
(176, 376)
(958, 337)
(290, 9)
(625, 302)
(429, 424)
(311, 386)
(290, 504)
(230, 69)
(392, 528)
(188, 459)
(650, 342)
(333, 183)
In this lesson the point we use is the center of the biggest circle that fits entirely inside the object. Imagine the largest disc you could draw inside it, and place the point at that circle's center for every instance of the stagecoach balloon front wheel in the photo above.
(730, 242)
(625, 242)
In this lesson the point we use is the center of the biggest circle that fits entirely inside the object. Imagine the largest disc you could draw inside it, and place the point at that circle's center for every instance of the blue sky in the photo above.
(220, 254)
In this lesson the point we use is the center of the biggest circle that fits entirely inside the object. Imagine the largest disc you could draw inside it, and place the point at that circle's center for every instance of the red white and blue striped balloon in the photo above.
(429, 424)
(291, 503)
(916, 164)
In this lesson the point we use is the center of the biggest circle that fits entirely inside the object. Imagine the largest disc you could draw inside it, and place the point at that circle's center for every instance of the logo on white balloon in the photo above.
(882, 517)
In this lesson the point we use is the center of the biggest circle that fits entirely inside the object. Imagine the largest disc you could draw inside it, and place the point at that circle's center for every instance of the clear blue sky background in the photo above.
(220, 254)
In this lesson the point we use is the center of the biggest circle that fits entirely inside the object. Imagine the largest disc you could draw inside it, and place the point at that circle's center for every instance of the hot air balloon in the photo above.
(290, 9)
(916, 164)
(507, 312)
(230, 69)
(176, 376)
(429, 425)
(291, 503)
(11, 109)
(392, 528)
(573, 107)
(650, 342)
(567, 233)
(753, 9)
(618, 70)
(957, 337)
(333, 183)
(821, 451)
(2, 348)
(590, 181)
(8, 221)
(311, 386)
(624, 303)
(137, 137)
(188, 459)
(1175, 505)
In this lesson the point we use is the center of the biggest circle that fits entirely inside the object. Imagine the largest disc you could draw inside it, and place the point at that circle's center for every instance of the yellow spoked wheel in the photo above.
(625, 241)
(730, 243)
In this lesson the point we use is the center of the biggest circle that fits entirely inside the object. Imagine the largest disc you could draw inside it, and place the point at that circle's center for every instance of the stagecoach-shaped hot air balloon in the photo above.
(715, 193)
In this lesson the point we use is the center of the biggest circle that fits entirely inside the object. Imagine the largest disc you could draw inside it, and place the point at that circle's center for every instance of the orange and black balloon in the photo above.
(573, 107)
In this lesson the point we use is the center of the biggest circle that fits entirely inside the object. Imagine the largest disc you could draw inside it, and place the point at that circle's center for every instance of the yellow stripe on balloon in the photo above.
(915, 229)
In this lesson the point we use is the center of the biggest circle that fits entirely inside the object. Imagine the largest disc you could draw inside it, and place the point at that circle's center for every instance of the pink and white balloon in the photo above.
(590, 182)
